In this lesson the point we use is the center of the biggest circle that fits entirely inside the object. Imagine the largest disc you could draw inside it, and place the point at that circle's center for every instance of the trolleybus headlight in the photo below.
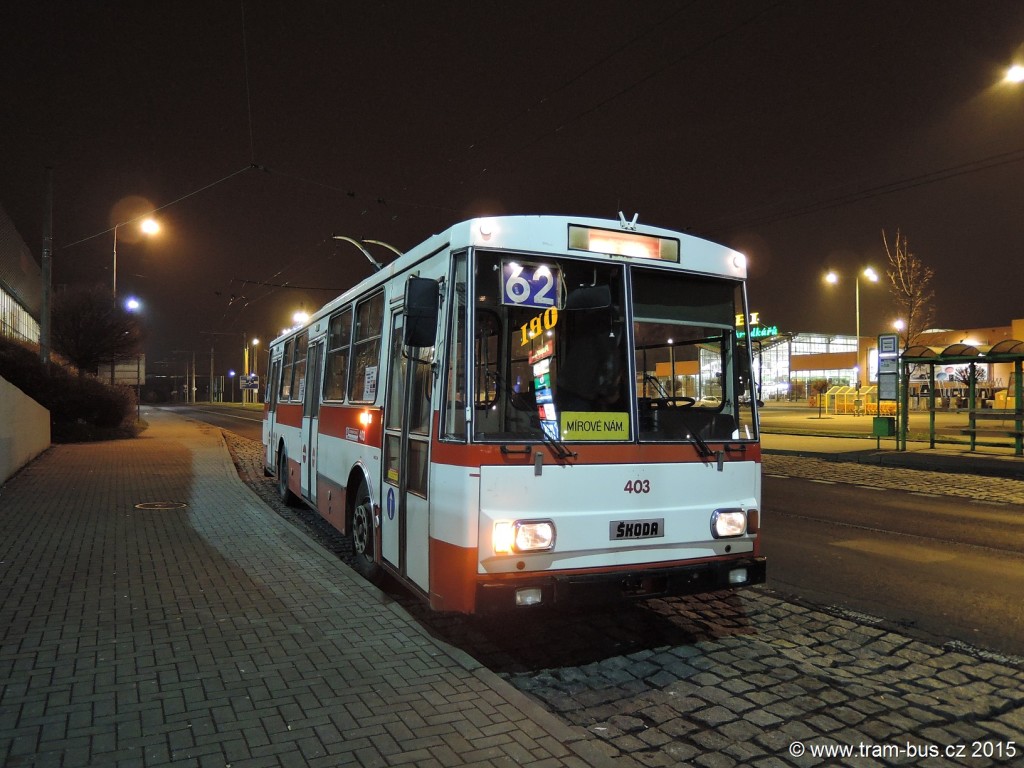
(728, 522)
(523, 536)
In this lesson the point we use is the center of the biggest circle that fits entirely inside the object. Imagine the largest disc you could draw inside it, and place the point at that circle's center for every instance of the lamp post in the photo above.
(253, 367)
(833, 278)
(231, 375)
(148, 227)
(247, 365)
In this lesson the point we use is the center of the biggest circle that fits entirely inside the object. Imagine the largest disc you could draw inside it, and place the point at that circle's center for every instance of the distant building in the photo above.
(785, 364)
(21, 285)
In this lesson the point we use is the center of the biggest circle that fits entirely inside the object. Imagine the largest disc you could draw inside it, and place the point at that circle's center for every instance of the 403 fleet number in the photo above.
(638, 486)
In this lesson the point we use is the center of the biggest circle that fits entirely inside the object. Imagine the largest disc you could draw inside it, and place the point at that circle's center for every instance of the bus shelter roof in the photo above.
(1007, 350)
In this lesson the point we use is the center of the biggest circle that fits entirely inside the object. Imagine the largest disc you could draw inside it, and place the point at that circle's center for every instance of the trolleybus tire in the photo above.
(361, 533)
(283, 491)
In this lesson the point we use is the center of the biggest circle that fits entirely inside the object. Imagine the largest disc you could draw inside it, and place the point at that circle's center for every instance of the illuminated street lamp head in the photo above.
(132, 304)
(1015, 74)
(832, 278)
(300, 317)
(149, 226)
(870, 274)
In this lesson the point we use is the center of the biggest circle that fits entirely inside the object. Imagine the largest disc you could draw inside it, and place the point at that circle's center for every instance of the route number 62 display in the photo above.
(529, 285)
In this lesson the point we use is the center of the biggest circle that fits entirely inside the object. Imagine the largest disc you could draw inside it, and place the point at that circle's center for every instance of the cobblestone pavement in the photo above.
(992, 489)
(776, 683)
(751, 678)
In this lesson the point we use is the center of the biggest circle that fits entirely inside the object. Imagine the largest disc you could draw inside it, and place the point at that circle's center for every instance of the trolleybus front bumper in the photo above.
(572, 590)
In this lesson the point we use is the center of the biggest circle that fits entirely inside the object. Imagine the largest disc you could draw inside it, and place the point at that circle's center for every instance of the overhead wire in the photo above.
(753, 218)
(159, 208)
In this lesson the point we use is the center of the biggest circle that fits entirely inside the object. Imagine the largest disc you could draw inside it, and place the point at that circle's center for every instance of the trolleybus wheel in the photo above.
(283, 491)
(361, 532)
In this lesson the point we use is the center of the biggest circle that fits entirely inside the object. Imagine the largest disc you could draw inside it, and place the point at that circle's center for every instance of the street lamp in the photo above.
(147, 227)
(833, 278)
(1015, 74)
(231, 375)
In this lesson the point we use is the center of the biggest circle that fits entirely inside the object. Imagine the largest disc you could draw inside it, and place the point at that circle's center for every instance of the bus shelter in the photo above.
(1006, 421)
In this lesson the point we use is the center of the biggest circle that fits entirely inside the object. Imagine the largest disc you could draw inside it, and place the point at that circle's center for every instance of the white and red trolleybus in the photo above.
(531, 410)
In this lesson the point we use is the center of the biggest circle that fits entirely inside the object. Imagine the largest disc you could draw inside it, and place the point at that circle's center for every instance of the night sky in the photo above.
(793, 131)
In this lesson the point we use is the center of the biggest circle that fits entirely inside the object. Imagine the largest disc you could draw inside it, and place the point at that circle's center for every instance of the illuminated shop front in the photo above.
(785, 364)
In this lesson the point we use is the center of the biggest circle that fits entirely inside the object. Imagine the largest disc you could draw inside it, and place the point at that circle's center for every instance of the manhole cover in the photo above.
(161, 505)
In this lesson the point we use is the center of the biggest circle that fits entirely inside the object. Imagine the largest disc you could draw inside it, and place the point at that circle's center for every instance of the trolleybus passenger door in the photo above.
(311, 418)
(405, 523)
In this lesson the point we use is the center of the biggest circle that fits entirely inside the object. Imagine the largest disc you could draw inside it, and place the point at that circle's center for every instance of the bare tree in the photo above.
(910, 287)
(89, 328)
(820, 386)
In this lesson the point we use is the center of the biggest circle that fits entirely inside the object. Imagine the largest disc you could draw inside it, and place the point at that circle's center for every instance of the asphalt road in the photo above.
(950, 567)
(244, 421)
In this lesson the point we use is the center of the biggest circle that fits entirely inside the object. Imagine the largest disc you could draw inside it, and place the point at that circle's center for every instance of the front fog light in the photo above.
(728, 522)
(529, 596)
(738, 576)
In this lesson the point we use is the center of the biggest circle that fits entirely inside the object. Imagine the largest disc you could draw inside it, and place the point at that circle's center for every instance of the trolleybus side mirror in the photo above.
(422, 300)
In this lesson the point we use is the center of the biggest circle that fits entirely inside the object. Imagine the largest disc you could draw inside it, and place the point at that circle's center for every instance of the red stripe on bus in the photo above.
(452, 577)
(330, 502)
(337, 420)
(462, 455)
(289, 414)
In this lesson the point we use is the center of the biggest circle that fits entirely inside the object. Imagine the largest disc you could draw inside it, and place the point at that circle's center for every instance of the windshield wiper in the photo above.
(558, 448)
(702, 447)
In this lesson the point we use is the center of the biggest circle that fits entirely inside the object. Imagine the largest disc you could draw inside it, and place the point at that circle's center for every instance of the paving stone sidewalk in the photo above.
(202, 630)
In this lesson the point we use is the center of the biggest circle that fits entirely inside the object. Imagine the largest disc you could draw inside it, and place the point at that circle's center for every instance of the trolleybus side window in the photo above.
(366, 350)
(418, 360)
(299, 374)
(285, 391)
(338, 340)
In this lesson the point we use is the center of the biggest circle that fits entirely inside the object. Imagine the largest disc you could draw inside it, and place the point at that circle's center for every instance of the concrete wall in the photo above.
(24, 429)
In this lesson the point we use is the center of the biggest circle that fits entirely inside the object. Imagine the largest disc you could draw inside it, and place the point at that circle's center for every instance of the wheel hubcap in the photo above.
(360, 530)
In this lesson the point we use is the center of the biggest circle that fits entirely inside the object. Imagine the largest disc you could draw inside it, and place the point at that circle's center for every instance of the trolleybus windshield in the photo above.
(597, 351)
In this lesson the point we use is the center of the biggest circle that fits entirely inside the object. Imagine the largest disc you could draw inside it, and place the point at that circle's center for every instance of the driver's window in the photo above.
(486, 357)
